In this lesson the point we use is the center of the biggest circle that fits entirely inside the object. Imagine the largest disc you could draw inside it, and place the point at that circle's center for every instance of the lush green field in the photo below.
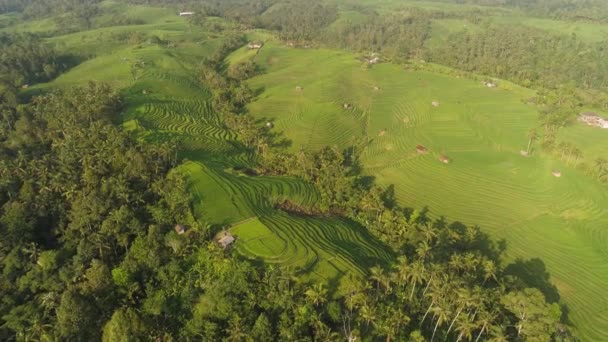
(488, 183)
(562, 221)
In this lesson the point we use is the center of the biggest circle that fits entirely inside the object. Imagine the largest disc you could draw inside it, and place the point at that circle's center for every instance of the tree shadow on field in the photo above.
(533, 273)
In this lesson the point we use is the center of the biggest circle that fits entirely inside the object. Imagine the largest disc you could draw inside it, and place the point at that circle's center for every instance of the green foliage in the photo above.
(125, 325)
(25, 59)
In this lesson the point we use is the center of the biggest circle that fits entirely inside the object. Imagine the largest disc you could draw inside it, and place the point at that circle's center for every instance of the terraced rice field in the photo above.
(562, 221)
(318, 247)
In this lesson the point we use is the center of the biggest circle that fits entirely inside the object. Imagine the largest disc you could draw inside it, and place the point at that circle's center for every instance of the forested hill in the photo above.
(111, 121)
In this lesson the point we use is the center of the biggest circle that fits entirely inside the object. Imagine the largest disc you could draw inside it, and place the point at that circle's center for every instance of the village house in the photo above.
(592, 119)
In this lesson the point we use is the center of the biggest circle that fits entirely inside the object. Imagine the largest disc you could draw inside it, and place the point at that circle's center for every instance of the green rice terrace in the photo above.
(324, 97)
(443, 141)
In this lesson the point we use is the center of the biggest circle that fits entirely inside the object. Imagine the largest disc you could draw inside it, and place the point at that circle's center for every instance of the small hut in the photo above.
(592, 119)
(376, 88)
(299, 88)
(226, 240)
(556, 173)
(255, 45)
(524, 153)
(444, 159)
(180, 229)
(491, 84)
(269, 124)
(25, 86)
(186, 14)
(347, 106)
(421, 149)
(435, 103)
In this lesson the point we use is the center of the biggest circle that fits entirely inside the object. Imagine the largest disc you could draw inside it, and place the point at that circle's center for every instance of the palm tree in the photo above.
(402, 270)
(489, 270)
(485, 319)
(441, 313)
(429, 232)
(416, 276)
(368, 314)
(465, 327)
(423, 250)
(377, 274)
(463, 300)
(317, 294)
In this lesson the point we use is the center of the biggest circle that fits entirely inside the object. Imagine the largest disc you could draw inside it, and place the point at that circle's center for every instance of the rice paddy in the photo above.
(561, 221)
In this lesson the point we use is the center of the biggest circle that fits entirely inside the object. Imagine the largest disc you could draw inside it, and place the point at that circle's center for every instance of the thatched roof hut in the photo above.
(435, 103)
(299, 88)
(226, 240)
(556, 173)
(444, 159)
(421, 149)
(347, 106)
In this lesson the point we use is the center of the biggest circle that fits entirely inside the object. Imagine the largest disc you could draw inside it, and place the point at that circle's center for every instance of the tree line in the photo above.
(26, 60)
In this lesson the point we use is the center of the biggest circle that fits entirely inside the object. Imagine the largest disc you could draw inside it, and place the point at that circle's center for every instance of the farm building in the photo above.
(592, 119)
(421, 149)
(373, 60)
(226, 240)
(556, 173)
(255, 45)
(185, 14)
(435, 103)
(180, 229)
(444, 159)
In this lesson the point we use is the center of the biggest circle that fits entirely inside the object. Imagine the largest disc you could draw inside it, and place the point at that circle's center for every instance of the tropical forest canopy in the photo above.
(91, 191)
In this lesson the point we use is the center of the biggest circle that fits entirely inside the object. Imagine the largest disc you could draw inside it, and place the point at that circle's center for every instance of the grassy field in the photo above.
(488, 183)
